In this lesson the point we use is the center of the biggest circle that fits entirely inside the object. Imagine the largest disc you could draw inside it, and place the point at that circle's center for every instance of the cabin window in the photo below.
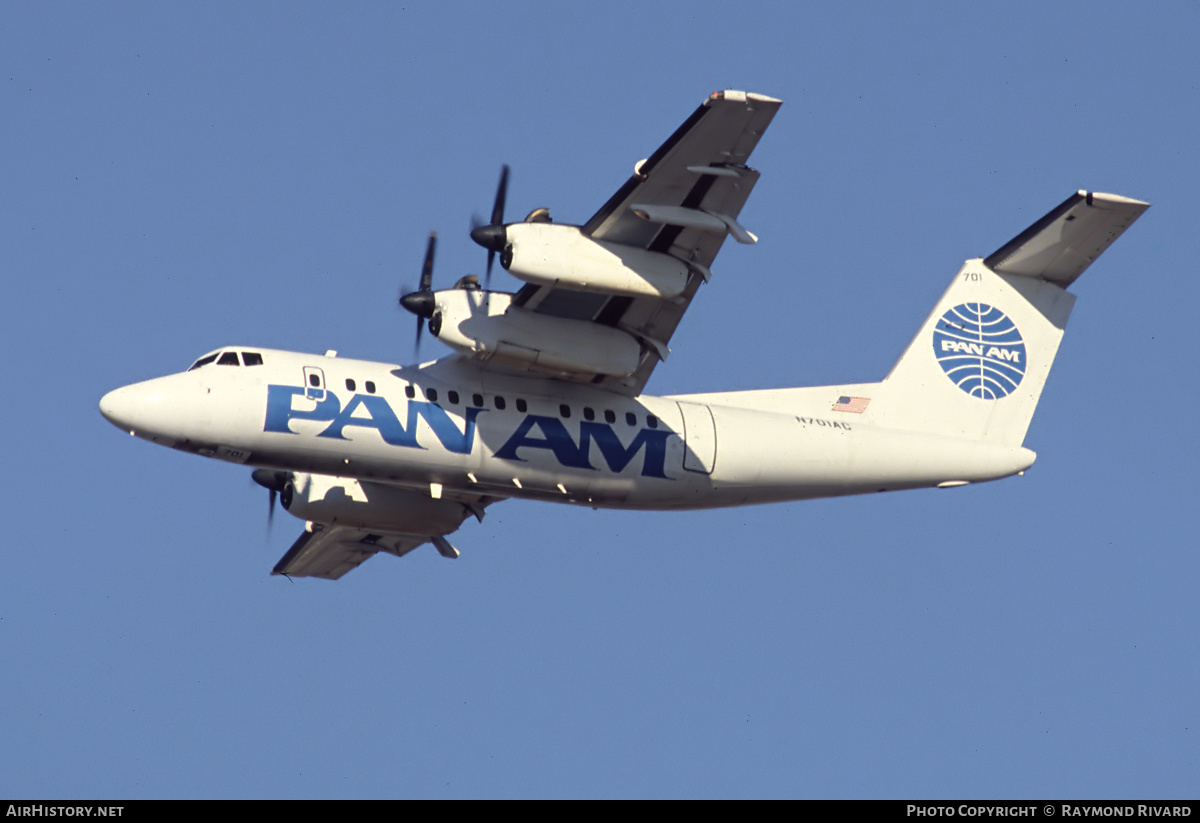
(229, 358)
(431, 395)
(370, 387)
(410, 392)
(314, 380)
(588, 414)
(500, 404)
(350, 384)
(252, 358)
(453, 396)
(631, 418)
(564, 410)
(610, 416)
(477, 399)
(522, 406)
(652, 421)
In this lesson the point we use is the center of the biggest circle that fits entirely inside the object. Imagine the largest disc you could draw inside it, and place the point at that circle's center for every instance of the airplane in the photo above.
(543, 398)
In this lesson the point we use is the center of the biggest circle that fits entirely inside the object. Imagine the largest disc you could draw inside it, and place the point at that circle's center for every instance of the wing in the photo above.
(681, 201)
(331, 551)
(1061, 245)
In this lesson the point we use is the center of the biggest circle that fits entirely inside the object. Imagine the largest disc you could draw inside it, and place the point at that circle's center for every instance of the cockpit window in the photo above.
(229, 358)
(252, 358)
(203, 361)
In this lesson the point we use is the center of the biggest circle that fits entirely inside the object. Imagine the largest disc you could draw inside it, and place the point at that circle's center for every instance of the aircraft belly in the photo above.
(358, 456)
(693, 456)
(768, 457)
(677, 455)
(505, 454)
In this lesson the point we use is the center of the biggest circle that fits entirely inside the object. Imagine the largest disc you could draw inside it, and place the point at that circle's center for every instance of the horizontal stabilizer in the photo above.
(1061, 245)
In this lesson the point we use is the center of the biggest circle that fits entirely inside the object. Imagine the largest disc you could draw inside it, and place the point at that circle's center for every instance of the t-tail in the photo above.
(978, 364)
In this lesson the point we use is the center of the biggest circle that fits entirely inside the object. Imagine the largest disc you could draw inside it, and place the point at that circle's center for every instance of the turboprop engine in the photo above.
(363, 504)
(545, 253)
(549, 254)
(486, 326)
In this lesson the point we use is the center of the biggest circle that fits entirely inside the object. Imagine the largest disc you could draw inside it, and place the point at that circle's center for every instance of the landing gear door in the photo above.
(314, 383)
(699, 438)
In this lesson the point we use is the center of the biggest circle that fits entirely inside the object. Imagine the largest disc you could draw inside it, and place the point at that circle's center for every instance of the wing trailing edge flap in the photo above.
(683, 200)
(1061, 245)
(329, 552)
(697, 179)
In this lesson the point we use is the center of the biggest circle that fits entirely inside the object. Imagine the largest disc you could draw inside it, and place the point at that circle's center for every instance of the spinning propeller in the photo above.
(421, 302)
(491, 236)
(276, 482)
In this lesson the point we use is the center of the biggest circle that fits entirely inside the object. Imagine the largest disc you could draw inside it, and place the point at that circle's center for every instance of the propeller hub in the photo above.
(420, 303)
(268, 479)
(491, 237)
(279, 484)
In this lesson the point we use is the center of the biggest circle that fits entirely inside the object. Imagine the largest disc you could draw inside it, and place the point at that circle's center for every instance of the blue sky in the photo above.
(177, 177)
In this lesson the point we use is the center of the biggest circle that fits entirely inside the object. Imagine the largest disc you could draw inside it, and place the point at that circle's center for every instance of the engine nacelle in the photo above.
(549, 254)
(492, 329)
(363, 504)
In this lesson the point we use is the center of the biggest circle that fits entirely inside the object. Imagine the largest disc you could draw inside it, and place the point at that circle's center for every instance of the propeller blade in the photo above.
(421, 302)
(427, 268)
(501, 194)
(274, 482)
(491, 236)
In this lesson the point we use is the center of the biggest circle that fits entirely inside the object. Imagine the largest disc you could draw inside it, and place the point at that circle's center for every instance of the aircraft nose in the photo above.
(168, 410)
(120, 406)
(135, 408)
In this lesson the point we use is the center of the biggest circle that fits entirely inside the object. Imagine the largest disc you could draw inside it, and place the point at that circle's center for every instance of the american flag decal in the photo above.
(856, 405)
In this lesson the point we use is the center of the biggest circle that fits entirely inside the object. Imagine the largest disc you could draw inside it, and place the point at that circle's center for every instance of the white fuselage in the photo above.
(456, 427)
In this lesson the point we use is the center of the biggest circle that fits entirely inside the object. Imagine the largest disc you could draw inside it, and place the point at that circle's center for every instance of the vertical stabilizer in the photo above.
(978, 365)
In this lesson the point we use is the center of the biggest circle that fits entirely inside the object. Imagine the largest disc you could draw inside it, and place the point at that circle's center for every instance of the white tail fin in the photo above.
(977, 366)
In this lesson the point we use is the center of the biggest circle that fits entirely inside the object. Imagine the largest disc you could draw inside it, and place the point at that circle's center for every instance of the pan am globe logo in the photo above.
(980, 349)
